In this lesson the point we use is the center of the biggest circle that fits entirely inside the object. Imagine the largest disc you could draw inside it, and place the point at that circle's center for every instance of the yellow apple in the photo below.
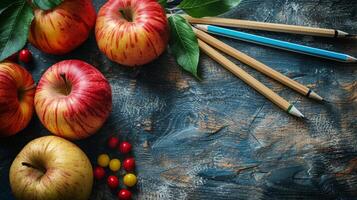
(51, 168)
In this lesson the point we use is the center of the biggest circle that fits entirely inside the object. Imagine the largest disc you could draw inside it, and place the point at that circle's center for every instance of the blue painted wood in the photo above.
(218, 138)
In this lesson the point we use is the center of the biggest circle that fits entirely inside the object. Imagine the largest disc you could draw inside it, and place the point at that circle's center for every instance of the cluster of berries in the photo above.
(114, 165)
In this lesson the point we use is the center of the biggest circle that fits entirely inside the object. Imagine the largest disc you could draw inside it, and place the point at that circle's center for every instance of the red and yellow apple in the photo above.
(62, 29)
(73, 99)
(53, 168)
(17, 90)
(132, 32)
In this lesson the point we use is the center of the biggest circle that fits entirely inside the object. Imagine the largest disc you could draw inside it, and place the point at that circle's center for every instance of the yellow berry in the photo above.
(130, 180)
(103, 160)
(114, 165)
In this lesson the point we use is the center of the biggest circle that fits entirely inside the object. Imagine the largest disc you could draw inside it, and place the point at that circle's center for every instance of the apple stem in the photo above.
(34, 167)
(63, 76)
(126, 13)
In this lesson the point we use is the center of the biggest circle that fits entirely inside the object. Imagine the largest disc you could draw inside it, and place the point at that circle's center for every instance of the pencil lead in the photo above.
(351, 59)
(294, 111)
(341, 33)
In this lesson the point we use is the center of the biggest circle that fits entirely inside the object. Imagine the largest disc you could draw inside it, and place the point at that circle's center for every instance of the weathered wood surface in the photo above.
(218, 138)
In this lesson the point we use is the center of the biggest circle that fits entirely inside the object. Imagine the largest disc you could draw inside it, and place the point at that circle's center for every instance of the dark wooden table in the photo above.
(218, 138)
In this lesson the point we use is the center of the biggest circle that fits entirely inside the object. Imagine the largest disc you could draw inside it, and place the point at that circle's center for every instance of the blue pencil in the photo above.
(276, 43)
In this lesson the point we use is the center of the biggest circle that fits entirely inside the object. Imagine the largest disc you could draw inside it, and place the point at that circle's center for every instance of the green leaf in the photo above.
(4, 4)
(203, 8)
(47, 4)
(184, 44)
(14, 27)
(163, 3)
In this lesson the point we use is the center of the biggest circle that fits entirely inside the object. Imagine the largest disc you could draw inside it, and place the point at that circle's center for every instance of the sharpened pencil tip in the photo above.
(314, 95)
(351, 59)
(341, 33)
(294, 111)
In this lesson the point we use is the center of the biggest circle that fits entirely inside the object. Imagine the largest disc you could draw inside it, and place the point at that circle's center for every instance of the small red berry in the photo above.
(113, 182)
(99, 173)
(129, 164)
(113, 142)
(124, 194)
(125, 147)
(25, 56)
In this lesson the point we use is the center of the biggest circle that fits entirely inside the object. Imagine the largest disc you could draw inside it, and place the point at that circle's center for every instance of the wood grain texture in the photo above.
(218, 138)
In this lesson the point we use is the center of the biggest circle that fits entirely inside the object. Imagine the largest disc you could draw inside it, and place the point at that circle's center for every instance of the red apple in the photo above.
(62, 29)
(73, 99)
(17, 90)
(132, 32)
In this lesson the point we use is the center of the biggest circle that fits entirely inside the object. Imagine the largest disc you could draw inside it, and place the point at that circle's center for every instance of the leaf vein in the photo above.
(12, 27)
(185, 46)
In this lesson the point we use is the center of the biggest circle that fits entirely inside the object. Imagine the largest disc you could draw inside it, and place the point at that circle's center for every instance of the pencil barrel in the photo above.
(251, 62)
(244, 76)
(274, 43)
(274, 27)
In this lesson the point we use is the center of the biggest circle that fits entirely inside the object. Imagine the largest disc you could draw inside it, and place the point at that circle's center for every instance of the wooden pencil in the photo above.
(257, 65)
(275, 43)
(284, 28)
(250, 80)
